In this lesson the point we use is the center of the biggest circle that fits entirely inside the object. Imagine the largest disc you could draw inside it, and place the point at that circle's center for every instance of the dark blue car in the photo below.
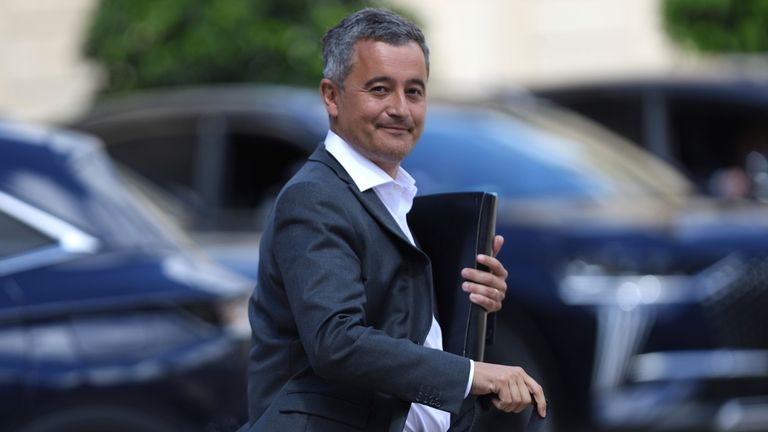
(637, 303)
(109, 319)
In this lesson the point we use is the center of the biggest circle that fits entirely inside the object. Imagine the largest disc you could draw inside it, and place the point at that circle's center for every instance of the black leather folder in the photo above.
(453, 229)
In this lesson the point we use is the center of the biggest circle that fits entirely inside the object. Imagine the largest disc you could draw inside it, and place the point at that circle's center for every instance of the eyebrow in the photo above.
(376, 79)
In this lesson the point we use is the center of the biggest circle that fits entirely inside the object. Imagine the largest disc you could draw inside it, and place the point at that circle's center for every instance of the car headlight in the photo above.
(590, 284)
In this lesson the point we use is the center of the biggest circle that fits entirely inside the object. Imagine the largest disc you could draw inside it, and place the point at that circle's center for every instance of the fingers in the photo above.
(488, 298)
(498, 242)
(495, 277)
(503, 396)
(486, 289)
(494, 265)
(538, 395)
(484, 279)
(515, 390)
(514, 395)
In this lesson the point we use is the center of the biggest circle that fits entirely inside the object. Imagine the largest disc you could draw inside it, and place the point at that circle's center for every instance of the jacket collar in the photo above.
(367, 198)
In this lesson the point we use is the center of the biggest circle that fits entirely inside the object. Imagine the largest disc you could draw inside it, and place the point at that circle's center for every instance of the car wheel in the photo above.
(511, 348)
(100, 419)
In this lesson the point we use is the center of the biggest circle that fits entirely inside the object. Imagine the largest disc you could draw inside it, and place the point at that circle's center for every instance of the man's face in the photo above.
(380, 111)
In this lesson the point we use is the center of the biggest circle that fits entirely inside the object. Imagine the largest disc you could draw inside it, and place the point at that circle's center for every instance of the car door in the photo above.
(20, 246)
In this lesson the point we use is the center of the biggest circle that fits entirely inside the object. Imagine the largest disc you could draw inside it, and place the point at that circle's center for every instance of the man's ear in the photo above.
(329, 91)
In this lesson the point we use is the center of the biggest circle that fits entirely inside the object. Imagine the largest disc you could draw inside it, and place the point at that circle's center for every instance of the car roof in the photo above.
(39, 148)
(736, 88)
(16, 132)
(203, 98)
(292, 112)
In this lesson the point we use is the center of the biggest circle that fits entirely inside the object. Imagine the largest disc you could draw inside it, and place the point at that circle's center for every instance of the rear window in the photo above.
(17, 238)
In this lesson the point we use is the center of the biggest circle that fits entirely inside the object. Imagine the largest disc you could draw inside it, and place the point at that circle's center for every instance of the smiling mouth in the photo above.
(396, 129)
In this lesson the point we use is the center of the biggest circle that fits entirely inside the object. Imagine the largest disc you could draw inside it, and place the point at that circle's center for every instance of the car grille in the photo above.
(739, 312)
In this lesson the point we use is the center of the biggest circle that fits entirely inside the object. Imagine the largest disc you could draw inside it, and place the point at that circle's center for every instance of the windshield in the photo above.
(532, 155)
(72, 179)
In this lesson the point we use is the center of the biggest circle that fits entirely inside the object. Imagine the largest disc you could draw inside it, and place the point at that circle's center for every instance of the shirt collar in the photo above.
(363, 171)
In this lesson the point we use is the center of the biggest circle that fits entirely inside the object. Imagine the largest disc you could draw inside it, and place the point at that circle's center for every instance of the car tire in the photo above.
(100, 419)
(511, 348)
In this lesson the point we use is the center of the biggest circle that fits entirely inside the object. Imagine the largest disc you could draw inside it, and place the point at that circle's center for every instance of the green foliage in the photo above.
(153, 43)
(717, 26)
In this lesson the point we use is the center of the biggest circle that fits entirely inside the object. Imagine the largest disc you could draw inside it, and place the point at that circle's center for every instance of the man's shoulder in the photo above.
(314, 174)
(314, 181)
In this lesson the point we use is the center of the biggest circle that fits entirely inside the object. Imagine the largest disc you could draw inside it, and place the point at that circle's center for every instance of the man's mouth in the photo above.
(395, 128)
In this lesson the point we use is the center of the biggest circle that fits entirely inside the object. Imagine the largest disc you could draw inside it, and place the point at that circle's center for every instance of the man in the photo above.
(344, 336)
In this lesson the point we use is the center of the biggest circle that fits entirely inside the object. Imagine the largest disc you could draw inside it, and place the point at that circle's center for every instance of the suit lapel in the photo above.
(373, 205)
(368, 198)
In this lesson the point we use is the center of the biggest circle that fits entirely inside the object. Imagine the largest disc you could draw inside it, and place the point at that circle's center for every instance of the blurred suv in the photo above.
(109, 319)
(637, 303)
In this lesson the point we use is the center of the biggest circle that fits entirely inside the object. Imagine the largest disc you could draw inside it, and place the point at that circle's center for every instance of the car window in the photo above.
(82, 189)
(18, 238)
(230, 188)
(256, 168)
(620, 112)
(710, 135)
(167, 160)
(485, 149)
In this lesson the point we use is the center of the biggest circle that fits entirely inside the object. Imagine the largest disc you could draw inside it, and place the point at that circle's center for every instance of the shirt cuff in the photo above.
(471, 377)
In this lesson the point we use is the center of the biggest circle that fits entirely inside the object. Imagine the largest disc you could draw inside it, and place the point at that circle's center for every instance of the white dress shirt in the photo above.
(397, 196)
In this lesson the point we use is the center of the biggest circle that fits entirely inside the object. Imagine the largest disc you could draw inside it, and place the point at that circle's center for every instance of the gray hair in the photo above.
(379, 25)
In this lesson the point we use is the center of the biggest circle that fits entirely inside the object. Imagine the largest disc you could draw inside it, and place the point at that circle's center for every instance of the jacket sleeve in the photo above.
(318, 255)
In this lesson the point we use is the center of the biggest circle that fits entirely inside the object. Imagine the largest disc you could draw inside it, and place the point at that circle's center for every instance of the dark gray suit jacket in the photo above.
(340, 313)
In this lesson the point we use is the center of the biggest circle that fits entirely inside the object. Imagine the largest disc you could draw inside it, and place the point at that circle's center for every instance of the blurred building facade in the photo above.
(44, 76)
(477, 46)
(487, 44)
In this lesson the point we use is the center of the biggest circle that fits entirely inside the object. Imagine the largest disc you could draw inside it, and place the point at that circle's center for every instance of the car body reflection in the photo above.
(109, 318)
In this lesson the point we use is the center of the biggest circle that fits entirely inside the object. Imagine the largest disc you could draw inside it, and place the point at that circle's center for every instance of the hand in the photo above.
(487, 288)
(515, 390)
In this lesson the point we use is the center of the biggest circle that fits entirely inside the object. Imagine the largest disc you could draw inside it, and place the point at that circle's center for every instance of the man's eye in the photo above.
(378, 90)
(416, 92)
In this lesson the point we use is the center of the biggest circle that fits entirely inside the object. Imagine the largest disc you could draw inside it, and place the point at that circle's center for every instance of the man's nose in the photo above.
(398, 105)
